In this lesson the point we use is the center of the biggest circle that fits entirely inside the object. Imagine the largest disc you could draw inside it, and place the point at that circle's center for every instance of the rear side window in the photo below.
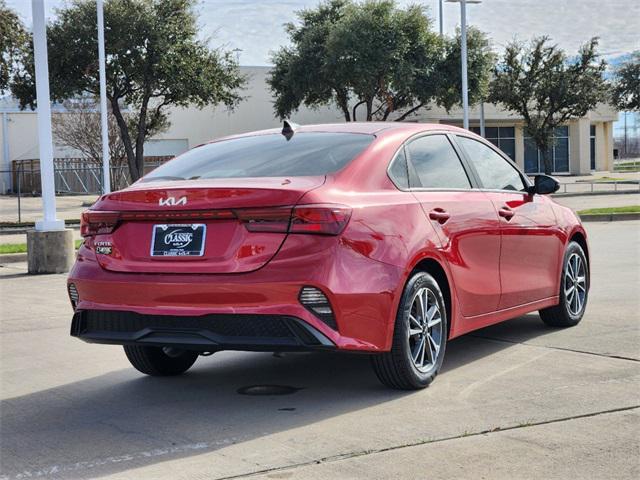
(495, 172)
(398, 171)
(436, 163)
(304, 154)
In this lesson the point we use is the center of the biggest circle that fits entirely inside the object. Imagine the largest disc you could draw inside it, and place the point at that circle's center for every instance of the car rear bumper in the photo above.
(206, 333)
(363, 294)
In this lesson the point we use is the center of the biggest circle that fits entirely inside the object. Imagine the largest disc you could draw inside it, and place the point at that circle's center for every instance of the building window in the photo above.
(592, 144)
(533, 161)
(502, 137)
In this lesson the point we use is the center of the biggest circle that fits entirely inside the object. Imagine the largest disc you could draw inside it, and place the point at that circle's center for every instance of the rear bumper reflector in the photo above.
(314, 300)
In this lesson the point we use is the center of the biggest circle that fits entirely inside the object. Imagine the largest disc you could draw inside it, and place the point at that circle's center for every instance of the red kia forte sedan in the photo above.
(382, 238)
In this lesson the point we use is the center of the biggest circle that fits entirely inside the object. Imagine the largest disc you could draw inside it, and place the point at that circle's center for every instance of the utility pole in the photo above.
(50, 245)
(104, 125)
(463, 54)
(45, 140)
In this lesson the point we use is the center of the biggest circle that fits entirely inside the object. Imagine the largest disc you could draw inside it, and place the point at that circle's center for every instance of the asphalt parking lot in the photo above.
(517, 400)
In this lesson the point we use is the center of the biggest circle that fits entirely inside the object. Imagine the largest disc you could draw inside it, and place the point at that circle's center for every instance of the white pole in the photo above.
(463, 54)
(482, 118)
(5, 153)
(50, 222)
(440, 18)
(106, 177)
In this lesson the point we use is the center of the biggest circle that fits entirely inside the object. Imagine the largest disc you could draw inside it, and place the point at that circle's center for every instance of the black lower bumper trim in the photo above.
(206, 333)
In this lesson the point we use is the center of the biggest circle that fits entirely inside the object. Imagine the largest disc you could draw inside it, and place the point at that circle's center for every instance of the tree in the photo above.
(626, 84)
(13, 42)
(78, 127)
(539, 82)
(154, 60)
(373, 60)
(480, 61)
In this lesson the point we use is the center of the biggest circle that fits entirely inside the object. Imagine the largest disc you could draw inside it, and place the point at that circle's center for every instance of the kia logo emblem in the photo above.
(172, 202)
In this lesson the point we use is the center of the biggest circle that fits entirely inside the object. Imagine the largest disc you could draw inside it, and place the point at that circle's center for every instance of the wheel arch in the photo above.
(434, 268)
(580, 238)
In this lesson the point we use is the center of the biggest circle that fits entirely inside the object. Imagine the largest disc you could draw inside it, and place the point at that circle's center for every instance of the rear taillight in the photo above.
(320, 219)
(265, 219)
(97, 222)
(316, 219)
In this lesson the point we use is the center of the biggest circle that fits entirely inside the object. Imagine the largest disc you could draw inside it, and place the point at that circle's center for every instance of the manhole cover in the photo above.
(267, 390)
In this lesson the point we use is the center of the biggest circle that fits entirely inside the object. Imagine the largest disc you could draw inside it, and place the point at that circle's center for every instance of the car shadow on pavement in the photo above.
(122, 420)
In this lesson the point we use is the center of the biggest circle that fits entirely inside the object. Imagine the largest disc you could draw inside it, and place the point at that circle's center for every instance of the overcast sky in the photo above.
(256, 27)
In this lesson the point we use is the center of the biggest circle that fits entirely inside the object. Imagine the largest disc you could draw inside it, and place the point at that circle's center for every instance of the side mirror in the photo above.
(544, 185)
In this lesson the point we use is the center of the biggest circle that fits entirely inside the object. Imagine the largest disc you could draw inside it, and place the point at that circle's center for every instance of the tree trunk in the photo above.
(343, 103)
(355, 108)
(126, 139)
(369, 109)
(142, 133)
(546, 158)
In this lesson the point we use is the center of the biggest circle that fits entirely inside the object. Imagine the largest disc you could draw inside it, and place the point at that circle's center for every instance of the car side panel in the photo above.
(470, 241)
(532, 248)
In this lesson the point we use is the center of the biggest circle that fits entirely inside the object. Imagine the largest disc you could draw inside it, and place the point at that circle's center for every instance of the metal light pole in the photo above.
(463, 54)
(50, 245)
(104, 126)
(45, 141)
(440, 17)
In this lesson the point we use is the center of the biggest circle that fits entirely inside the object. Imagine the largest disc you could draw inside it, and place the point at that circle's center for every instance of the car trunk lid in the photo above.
(201, 226)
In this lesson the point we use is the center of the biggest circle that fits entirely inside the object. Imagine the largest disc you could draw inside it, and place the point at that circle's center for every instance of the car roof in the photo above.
(371, 128)
(376, 127)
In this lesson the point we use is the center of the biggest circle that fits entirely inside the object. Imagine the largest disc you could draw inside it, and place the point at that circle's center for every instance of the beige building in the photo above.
(582, 146)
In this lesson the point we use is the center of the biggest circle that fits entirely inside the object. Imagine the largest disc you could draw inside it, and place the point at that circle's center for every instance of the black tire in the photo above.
(564, 314)
(155, 362)
(396, 368)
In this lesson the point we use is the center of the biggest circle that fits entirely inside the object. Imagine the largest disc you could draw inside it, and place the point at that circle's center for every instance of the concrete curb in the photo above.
(23, 230)
(609, 217)
(13, 257)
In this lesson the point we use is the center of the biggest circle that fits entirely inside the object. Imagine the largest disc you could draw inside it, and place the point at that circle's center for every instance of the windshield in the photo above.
(272, 155)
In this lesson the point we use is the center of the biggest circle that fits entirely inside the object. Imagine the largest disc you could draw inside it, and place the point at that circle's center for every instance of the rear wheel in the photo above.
(419, 337)
(574, 290)
(160, 361)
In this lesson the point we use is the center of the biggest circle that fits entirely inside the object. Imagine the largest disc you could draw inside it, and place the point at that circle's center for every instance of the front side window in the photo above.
(502, 137)
(495, 172)
(436, 163)
(271, 155)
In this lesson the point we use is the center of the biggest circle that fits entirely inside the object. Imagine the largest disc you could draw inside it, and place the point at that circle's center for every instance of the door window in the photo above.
(495, 172)
(502, 137)
(436, 163)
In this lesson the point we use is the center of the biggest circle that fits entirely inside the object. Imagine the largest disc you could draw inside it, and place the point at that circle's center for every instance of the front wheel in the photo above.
(419, 337)
(160, 361)
(574, 290)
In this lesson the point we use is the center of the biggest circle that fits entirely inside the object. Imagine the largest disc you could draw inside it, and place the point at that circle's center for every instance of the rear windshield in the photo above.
(304, 154)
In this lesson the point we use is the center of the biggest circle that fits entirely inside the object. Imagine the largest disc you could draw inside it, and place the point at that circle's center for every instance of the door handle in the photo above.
(439, 215)
(506, 213)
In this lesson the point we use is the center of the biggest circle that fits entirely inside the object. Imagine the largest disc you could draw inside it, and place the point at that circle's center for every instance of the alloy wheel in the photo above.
(575, 284)
(425, 329)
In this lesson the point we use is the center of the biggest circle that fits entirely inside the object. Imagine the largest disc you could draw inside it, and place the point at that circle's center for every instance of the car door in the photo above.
(531, 244)
(463, 217)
